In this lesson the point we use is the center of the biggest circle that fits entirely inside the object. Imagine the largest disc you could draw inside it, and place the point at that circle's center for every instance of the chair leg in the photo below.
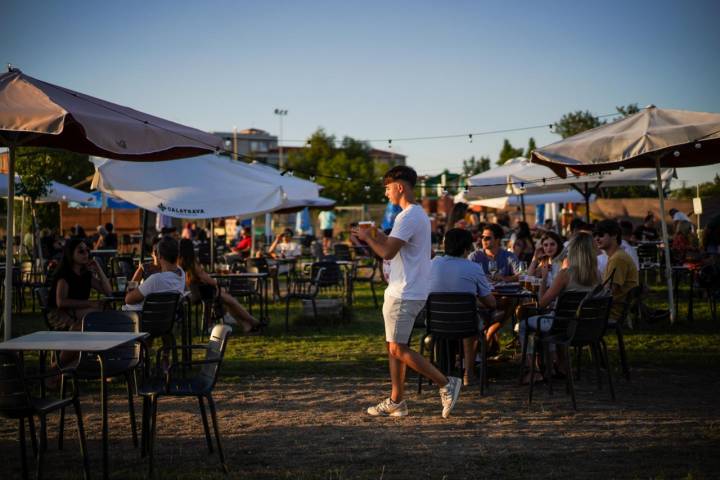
(43, 446)
(578, 360)
(61, 427)
(213, 414)
(603, 351)
(206, 428)
(145, 427)
(569, 377)
(151, 440)
(33, 436)
(81, 438)
(523, 354)
(287, 313)
(23, 453)
(131, 408)
(623, 353)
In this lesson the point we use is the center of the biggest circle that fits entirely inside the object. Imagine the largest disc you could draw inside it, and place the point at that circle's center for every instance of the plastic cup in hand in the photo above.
(368, 225)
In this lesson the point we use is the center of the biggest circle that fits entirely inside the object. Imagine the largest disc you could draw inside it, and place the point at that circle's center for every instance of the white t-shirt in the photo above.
(680, 217)
(289, 249)
(159, 283)
(410, 268)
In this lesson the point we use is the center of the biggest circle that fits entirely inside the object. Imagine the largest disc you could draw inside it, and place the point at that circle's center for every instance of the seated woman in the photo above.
(196, 276)
(284, 247)
(455, 273)
(144, 270)
(581, 275)
(69, 299)
(522, 243)
(543, 264)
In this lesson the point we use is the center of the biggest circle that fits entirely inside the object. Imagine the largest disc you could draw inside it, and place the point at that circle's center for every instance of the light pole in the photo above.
(280, 113)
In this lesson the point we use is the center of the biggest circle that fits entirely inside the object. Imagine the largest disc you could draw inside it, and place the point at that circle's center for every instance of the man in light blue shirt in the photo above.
(327, 224)
(453, 273)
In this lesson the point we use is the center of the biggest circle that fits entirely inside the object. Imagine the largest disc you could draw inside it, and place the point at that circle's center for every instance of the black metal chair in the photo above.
(184, 379)
(450, 318)
(617, 325)
(365, 271)
(342, 251)
(159, 313)
(16, 402)
(587, 328)
(121, 361)
(304, 288)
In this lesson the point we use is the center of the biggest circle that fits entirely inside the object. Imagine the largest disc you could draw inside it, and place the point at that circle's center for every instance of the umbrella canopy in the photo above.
(96, 201)
(56, 192)
(674, 138)
(535, 199)
(208, 186)
(653, 137)
(37, 113)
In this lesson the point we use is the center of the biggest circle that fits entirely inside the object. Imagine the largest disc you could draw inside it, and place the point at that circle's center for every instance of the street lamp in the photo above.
(280, 113)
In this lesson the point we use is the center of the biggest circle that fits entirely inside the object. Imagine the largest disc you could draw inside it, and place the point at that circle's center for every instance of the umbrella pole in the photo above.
(9, 244)
(522, 205)
(666, 243)
(212, 244)
(142, 236)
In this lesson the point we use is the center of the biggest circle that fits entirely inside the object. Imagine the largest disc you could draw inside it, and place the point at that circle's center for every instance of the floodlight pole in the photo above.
(666, 243)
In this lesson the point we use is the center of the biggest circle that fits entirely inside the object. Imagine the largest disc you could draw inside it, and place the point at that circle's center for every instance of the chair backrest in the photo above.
(566, 307)
(159, 313)
(342, 251)
(591, 320)
(327, 273)
(119, 358)
(647, 253)
(451, 315)
(215, 351)
(14, 395)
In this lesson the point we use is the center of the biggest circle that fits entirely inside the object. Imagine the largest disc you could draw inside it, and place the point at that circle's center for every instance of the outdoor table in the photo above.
(91, 342)
(263, 277)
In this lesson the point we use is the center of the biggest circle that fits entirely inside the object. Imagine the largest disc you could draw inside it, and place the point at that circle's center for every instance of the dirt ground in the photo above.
(664, 424)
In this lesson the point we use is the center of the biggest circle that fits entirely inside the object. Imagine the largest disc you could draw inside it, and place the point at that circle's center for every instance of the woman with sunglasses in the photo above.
(76, 275)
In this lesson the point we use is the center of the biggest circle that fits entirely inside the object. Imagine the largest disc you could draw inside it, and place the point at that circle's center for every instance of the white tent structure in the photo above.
(568, 196)
(56, 192)
(208, 186)
(520, 177)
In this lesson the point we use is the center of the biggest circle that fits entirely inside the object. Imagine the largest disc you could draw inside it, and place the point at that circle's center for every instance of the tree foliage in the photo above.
(627, 110)
(531, 146)
(707, 189)
(576, 122)
(473, 166)
(508, 152)
(347, 173)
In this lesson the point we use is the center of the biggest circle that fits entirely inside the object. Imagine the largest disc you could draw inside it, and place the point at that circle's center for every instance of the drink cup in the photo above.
(365, 225)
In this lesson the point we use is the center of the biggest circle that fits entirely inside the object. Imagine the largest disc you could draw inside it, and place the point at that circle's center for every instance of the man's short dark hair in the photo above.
(457, 242)
(400, 172)
(610, 227)
(168, 249)
(109, 227)
(496, 230)
(673, 211)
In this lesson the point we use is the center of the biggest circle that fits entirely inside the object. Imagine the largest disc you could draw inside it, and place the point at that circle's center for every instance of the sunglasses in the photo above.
(489, 239)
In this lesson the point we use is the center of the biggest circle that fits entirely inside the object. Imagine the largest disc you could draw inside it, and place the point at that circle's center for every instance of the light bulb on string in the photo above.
(470, 138)
(366, 188)
(312, 178)
(390, 143)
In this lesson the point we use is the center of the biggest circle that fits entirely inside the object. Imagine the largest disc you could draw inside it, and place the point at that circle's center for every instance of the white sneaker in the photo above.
(449, 395)
(389, 408)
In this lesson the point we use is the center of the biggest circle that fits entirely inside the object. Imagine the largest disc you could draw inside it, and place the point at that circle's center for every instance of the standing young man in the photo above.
(408, 247)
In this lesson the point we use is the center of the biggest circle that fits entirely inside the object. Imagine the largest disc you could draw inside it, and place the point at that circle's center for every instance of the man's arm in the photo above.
(133, 297)
(384, 246)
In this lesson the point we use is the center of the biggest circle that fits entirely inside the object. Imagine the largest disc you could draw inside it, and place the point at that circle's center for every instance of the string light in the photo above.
(470, 137)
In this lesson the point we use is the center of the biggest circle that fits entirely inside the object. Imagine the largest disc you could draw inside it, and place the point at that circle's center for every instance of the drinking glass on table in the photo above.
(492, 268)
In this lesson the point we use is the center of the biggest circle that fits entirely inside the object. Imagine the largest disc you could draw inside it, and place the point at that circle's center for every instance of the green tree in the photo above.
(473, 166)
(576, 122)
(508, 152)
(531, 146)
(627, 110)
(707, 189)
(319, 146)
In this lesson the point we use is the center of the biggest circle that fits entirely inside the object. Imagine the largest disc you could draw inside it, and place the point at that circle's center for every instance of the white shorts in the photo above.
(399, 316)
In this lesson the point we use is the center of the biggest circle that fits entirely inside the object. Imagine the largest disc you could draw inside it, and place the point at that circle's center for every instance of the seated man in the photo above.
(454, 273)
(500, 264)
(284, 246)
(244, 244)
(620, 266)
(171, 278)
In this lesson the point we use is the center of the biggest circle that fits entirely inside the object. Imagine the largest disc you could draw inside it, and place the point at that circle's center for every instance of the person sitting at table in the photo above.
(171, 278)
(622, 269)
(284, 247)
(543, 263)
(72, 281)
(244, 243)
(505, 262)
(647, 231)
(453, 272)
(580, 275)
(521, 242)
(197, 277)
(146, 269)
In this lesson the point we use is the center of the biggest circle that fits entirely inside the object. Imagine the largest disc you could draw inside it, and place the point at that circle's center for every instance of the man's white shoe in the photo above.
(449, 395)
(388, 408)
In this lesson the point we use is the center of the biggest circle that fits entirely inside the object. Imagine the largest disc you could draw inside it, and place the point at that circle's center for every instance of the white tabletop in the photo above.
(72, 341)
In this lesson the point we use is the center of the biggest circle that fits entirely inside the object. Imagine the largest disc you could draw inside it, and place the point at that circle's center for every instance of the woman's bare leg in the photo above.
(238, 312)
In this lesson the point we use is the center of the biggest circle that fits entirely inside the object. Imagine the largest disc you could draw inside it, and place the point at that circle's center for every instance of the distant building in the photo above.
(252, 144)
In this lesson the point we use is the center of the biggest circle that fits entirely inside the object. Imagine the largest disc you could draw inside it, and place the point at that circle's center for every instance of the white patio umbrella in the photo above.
(534, 199)
(653, 137)
(56, 192)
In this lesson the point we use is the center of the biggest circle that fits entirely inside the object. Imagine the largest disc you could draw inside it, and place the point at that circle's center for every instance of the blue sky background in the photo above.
(377, 69)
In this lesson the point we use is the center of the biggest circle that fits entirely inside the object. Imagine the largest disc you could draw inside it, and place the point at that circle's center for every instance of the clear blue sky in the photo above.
(377, 69)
